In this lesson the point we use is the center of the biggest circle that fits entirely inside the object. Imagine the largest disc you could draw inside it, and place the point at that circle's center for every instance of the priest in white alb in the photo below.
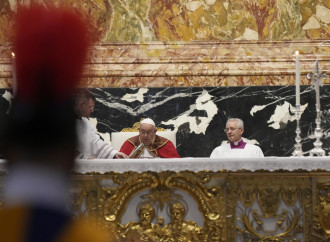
(236, 147)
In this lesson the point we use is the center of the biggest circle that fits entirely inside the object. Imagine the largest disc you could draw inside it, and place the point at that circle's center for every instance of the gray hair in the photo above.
(240, 123)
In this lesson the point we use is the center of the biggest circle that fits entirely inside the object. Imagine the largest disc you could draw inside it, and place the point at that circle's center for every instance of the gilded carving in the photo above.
(144, 230)
(324, 207)
(248, 194)
(290, 195)
(160, 194)
(269, 200)
(230, 206)
(286, 226)
(276, 215)
(180, 229)
(135, 128)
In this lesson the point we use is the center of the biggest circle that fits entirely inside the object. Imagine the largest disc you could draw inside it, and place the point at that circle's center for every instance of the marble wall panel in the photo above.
(156, 64)
(184, 43)
(198, 114)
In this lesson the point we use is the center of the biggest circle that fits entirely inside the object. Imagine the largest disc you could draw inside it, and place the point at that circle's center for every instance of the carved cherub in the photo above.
(144, 230)
(179, 229)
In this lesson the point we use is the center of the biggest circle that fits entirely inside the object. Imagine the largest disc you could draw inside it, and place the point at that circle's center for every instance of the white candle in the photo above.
(297, 79)
(14, 73)
(317, 86)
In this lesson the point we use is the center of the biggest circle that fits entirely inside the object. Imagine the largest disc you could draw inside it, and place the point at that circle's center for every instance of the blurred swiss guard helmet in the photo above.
(50, 48)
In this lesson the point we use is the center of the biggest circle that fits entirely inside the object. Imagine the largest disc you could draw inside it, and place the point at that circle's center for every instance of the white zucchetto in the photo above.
(148, 121)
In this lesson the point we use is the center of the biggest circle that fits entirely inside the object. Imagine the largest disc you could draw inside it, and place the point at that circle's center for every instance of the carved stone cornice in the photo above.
(194, 64)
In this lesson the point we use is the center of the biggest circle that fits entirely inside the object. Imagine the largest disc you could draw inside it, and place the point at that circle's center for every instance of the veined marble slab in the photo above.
(179, 64)
(198, 115)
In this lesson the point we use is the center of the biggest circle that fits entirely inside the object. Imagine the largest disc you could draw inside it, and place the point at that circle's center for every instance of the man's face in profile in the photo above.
(147, 133)
(87, 107)
(234, 133)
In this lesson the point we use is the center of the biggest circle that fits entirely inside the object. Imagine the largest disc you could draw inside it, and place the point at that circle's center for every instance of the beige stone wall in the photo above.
(191, 43)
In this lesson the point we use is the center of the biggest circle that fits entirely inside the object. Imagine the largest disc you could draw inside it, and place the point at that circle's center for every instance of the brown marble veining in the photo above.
(157, 64)
(158, 43)
(7, 16)
(98, 13)
(241, 63)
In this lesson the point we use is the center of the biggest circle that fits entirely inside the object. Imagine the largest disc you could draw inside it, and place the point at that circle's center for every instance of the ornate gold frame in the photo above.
(234, 206)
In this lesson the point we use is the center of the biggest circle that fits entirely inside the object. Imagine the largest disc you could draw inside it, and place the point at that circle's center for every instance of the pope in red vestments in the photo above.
(147, 144)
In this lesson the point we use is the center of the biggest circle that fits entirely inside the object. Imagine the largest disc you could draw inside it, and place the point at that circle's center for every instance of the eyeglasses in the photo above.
(149, 132)
(230, 129)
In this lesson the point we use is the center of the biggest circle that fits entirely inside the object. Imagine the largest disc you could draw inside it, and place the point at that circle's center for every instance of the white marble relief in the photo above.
(249, 34)
(278, 98)
(139, 96)
(8, 96)
(119, 106)
(312, 23)
(210, 2)
(282, 115)
(146, 107)
(197, 125)
(323, 13)
(193, 5)
(237, 94)
(257, 108)
(140, 110)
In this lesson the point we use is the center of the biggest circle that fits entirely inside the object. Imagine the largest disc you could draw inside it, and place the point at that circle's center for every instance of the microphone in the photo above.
(136, 150)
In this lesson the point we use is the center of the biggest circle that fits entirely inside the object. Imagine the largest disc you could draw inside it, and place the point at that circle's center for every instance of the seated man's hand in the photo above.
(120, 155)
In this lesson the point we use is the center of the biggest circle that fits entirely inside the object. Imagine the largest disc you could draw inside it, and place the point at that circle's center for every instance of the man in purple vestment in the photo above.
(236, 147)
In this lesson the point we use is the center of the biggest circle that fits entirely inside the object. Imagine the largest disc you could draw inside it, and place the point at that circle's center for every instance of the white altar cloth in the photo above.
(200, 164)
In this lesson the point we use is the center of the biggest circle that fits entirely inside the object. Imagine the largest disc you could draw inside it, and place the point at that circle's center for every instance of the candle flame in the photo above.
(297, 52)
(13, 54)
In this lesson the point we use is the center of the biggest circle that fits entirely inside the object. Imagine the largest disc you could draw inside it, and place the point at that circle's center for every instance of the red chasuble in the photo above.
(161, 147)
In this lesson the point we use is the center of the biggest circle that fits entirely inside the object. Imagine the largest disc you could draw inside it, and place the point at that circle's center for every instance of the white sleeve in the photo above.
(214, 153)
(259, 152)
(99, 148)
(82, 135)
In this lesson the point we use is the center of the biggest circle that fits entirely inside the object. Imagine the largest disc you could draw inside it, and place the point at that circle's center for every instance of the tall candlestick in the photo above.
(297, 80)
(316, 80)
(297, 147)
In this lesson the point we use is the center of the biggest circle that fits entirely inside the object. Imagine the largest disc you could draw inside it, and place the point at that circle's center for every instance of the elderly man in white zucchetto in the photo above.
(147, 144)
